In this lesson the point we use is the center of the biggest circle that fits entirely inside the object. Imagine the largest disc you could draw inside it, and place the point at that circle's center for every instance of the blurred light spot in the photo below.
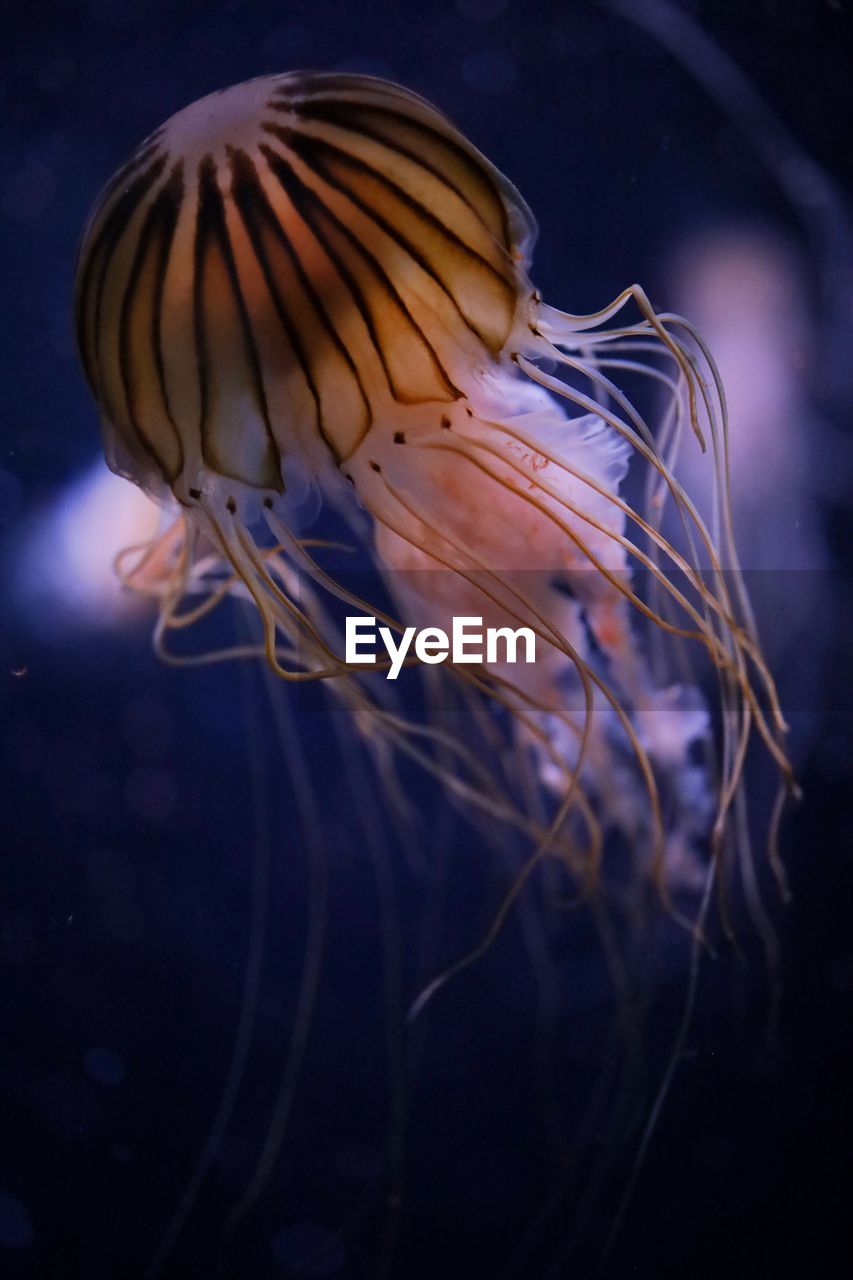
(104, 1067)
(481, 10)
(16, 1228)
(11, 497)
(490, 70)
(150, 794)
(111, 876)
(309, 1250)
(744, 291)
(68, 560)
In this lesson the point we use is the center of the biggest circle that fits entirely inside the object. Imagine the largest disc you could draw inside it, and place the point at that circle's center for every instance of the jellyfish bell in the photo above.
(276, 271)
(316, 279)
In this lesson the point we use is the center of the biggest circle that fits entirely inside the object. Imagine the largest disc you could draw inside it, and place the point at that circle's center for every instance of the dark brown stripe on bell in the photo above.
(255, 210)
(311, 149)
(212, 229)
(367, 119)
(155, 234)
(283, 173)
(149, 150)
(285, 136)
(114, 227)
(314, 211)
(169, 202)
(308, 145)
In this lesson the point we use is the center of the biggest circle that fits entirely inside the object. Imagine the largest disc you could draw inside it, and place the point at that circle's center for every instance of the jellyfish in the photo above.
(314, 284)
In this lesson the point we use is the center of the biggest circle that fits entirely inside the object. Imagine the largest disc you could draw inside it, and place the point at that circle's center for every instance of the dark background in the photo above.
(140, 803)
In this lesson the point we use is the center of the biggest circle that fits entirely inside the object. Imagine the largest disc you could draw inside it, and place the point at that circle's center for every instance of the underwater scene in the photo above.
(426, 509)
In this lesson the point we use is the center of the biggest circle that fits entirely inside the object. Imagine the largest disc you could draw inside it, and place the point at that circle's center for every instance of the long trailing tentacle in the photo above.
(726, 606)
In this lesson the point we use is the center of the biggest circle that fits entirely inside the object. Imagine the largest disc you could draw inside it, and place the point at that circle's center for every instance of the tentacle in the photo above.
(521, 609)
(727, 608)
(564, 323)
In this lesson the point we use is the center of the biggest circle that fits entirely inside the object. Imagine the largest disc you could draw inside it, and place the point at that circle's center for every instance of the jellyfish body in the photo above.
(318, 276)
